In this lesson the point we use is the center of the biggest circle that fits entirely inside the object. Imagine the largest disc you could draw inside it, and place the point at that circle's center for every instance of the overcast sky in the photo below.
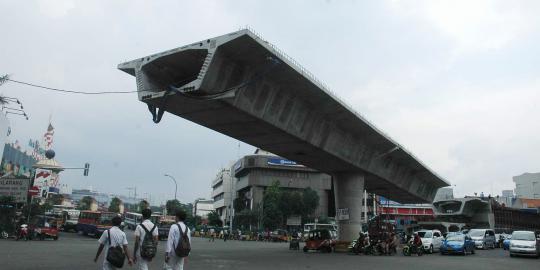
(456, 82)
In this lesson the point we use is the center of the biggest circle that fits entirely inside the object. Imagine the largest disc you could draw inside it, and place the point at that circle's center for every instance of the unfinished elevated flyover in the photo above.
(242, 86)
(476, 212)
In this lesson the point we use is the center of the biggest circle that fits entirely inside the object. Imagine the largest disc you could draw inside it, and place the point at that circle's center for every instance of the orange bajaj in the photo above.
(320, 240)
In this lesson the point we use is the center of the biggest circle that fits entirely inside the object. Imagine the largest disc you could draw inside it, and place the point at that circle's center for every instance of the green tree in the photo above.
(310, 200)
(214, 219)
(172, 206)
(7, 213)
(272, 214)
(239, 204)
(85, 203)
(114, 206)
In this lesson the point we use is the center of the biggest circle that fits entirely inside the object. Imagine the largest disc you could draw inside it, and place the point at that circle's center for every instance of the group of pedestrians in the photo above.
(115, 244)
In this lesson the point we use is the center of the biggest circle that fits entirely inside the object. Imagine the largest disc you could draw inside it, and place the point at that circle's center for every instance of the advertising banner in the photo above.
(15, 187)
(43, 181)
(283, 162)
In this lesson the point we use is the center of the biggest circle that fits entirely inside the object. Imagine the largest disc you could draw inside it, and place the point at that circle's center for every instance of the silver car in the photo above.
(524, 243)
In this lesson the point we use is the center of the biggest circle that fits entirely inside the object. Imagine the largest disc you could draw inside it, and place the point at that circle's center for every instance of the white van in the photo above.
(483, 238)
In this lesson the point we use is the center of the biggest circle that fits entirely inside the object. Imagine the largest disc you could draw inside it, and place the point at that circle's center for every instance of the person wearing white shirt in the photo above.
(140, 233)
(172, 260)
(118, 238)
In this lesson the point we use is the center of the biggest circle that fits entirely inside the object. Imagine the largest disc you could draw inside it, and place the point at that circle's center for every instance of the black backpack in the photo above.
(148, 247)
(115, 255)
(184, 247)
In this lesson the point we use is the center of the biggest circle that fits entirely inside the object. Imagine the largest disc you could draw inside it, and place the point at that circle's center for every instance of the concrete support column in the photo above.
(349, 192)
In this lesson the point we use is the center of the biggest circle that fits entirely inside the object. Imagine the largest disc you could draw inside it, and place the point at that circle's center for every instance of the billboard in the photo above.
(15, 187)
(43, 181)
(283, 162)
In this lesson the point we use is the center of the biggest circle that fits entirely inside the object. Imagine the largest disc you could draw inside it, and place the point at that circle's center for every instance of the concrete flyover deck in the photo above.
(242, 86)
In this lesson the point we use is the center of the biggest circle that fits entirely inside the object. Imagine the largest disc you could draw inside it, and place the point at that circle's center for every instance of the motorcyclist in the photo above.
(360, 242)
(417, 241)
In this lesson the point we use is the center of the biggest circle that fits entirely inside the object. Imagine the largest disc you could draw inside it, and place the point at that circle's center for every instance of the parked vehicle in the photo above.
(483, 238)
(319, 240)
(524, 243)
(431, 240)
(279, 236)
(458, 243)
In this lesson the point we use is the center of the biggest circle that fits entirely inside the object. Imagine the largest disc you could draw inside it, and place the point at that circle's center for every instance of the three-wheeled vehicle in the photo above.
(320, 240)
(45, 227)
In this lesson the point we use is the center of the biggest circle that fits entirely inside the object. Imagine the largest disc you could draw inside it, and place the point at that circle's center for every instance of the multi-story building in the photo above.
(527, 185)
(254, 173)
(202, 207)
(221, 194)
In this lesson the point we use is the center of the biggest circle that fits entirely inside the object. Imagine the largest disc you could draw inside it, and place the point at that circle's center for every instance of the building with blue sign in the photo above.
(252, 174)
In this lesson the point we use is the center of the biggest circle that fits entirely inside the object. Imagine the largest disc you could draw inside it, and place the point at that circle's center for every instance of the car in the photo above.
(458, 244)
(431, 240)
(524, 243)
(483, 238)
(279, 236)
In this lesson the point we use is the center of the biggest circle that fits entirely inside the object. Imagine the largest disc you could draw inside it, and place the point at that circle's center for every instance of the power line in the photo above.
(70, 91)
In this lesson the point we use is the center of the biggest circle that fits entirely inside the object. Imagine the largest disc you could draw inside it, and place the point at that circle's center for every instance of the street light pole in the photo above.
(175, 185)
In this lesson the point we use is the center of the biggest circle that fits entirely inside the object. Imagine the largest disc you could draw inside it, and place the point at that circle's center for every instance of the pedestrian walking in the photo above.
(146, 240)
(212, 235)
(178, 243)
(115, 243)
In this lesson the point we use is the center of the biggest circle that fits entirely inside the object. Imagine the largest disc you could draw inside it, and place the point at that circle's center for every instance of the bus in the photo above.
(94, 222)
(132, 219)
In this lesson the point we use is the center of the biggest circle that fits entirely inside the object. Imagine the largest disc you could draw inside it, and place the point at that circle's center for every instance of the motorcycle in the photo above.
(23, 233)
(410, 248)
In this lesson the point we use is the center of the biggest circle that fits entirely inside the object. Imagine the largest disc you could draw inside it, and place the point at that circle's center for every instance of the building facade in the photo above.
(203, 207)
(254, 173)
(221, 194)
(527, 185)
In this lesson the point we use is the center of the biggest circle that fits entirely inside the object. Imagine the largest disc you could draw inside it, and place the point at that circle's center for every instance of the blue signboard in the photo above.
(283, 162)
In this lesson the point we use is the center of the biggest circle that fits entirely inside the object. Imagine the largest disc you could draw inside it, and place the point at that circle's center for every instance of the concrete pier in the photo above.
(348, 188)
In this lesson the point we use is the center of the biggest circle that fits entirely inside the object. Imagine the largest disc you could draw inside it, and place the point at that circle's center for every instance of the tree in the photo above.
(239, 204)
(86, 203)
(310, 200)
(214, 219)
(272, 214)
(7, 213)
(114, 206)
(172, 206)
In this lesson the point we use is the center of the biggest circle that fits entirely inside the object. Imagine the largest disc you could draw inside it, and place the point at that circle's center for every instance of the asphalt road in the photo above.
(74, 251)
